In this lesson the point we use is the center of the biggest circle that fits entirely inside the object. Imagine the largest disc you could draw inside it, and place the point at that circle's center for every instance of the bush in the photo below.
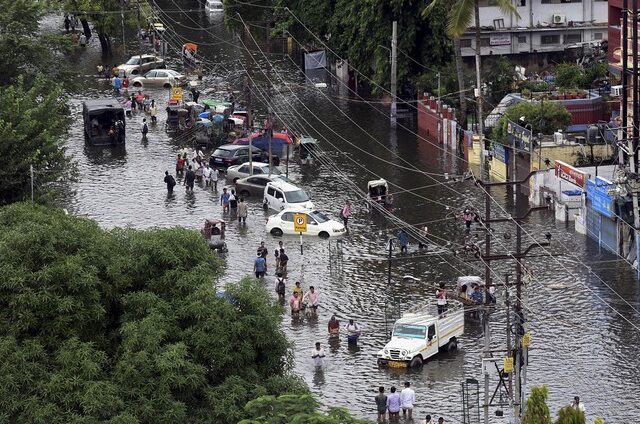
(544, 118)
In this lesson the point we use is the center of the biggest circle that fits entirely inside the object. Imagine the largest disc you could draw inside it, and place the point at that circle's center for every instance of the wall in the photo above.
(437, 121)
(569, 153)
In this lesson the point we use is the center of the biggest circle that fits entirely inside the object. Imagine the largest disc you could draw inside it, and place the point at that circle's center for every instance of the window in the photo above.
(161, 74)
(522, 39)
(597, 36)
(310, 220)
(549, 39)
(465, 43)
(258, 170)
(258, 181)
(432, 332)
(133, 61)
(485, 42)
(279, 195)
(150, 74)
(287, 216)
(297, 196)
(222, 153)
(244, 169)
(319, 216)
(271, 192)
(498, 23)
(409, 331)
(572, 38)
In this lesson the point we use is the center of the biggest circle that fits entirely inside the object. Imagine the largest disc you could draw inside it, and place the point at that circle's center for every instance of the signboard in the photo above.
(500, 40)
(526, 339)
(176, 94)
(601, 201)
(299, 223)
(508, 364)
(500, 153)
(568, 173)
(519, 136)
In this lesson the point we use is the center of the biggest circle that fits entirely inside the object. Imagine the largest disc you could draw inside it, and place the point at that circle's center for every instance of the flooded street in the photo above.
(580, 345)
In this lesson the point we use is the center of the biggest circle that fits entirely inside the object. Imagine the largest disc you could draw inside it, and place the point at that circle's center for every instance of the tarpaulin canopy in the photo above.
(315, 60)
(261, 141)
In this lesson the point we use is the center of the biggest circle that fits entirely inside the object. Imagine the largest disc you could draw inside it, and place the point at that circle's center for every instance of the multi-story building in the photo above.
(544, 26)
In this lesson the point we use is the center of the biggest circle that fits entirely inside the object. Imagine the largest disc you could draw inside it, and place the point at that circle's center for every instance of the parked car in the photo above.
(279, 195)
(318, 224)
(254, 185)
(214, 6)
(166, 78)
(236, 172)
(140, 64)
(232, 154)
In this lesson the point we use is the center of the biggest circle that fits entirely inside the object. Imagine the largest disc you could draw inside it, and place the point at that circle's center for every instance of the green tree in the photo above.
(503, 78)
(544, 118)
(569, 415)
(459, 18)
(33, 122)
(294, 409)
(24, 49)
(537, 411)
(569, 75)
(125, 326)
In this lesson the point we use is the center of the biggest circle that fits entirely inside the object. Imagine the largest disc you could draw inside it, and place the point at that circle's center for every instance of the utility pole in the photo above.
(478, 93)
(487, 304)
(139, 40)
(31, 173)
(507, 303)
(439, 109)
(269, 131)
(124, 44)
(633, 146)
(394, 72)
(249, 122)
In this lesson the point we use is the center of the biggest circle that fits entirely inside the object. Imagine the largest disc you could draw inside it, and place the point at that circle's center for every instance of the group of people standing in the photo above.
(395, 402)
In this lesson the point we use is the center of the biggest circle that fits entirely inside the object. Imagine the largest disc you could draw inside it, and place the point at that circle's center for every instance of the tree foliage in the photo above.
(502, 78)
(33, 121)
(544, 118)
(294, 409)
(569, 415)
(25, 51)
(569, 75)
(537, 411)
(125, 326)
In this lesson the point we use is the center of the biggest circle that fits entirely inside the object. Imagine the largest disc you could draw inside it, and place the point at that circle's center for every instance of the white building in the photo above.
(544, 26)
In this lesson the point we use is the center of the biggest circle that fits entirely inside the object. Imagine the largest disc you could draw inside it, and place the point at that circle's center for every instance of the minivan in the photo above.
(280, 195)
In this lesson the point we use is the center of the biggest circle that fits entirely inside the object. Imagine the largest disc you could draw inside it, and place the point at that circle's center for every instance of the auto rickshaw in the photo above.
(308, 150)
(204, 132)
(213, 232)
(378, 192)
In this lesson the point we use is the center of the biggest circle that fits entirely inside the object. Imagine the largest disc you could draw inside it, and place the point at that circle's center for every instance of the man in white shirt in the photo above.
(576, 404)
(407, 399)
(206, 175)
(318, 354)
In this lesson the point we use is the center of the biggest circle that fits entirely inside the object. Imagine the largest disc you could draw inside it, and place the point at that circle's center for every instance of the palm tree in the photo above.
(459, 14)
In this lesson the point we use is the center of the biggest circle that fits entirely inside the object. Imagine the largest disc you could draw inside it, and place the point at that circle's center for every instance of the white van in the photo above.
(280, 195)
(213, 6)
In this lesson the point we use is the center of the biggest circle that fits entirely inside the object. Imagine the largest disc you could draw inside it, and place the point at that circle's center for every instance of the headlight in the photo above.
(386, 351)
(339, 230)
(404, 352)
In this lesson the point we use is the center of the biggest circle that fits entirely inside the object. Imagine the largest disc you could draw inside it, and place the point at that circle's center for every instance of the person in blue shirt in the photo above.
(476, 296)
(403, 238)
(224, 200)
(260, 266)
(117, 84)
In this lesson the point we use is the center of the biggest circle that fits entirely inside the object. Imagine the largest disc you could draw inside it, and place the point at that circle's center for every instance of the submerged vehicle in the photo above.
(308, 150)
(104, 122)
(178, 118)
(204, 132)
(213, 232)
(218, 106)
(419, 335)
(378, 192)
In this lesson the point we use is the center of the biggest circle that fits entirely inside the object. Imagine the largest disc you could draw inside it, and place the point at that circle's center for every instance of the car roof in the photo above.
(260, 164)
(299, 209)
(99, 104)
(264, 176)
(236, 147)
(145, 55)
(284, 185)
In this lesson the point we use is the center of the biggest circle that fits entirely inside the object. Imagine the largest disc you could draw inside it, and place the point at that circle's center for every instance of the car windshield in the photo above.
(274, 170)
(319, 216)
(133, 61)
(410, 331)
(172, 73)
(223, 153)
(297, 196)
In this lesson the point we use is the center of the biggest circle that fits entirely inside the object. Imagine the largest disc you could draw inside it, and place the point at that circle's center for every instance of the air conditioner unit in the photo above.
(616, 91)
(558, 137)
(559, 19)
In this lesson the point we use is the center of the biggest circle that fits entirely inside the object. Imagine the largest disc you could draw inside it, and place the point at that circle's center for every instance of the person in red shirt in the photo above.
(179, 165)
(125, 82)
(333, 326)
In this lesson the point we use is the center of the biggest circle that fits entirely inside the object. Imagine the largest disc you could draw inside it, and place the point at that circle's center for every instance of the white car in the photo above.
(138, 64)
(214, 6)
(318, 224)
(165, 78)
(235, 172)
(280, 195)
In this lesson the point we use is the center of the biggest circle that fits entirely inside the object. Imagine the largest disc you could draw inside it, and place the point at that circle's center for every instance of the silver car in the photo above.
(236, 172)
(254, 185)
(165, 78)
(140, 64)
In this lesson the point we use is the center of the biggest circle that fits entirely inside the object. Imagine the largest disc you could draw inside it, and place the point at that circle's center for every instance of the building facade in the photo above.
(544, 26)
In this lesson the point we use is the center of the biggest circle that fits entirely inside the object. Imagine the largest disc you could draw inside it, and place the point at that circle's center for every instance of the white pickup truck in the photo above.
(420, 335)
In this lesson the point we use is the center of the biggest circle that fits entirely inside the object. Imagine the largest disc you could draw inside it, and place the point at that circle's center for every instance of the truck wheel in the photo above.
(452, 345)
(416, 361)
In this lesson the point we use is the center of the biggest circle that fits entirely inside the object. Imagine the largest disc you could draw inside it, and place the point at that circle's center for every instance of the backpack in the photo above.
(280, 286)
(172, 181)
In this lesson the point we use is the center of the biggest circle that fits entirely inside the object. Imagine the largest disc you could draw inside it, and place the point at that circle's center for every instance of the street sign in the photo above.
(508, 364)
(526, 339)
(176, 94)
(300, 223)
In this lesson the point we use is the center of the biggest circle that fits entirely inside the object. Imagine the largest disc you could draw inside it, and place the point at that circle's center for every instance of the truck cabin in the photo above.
(415, 331)
(104, 121)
